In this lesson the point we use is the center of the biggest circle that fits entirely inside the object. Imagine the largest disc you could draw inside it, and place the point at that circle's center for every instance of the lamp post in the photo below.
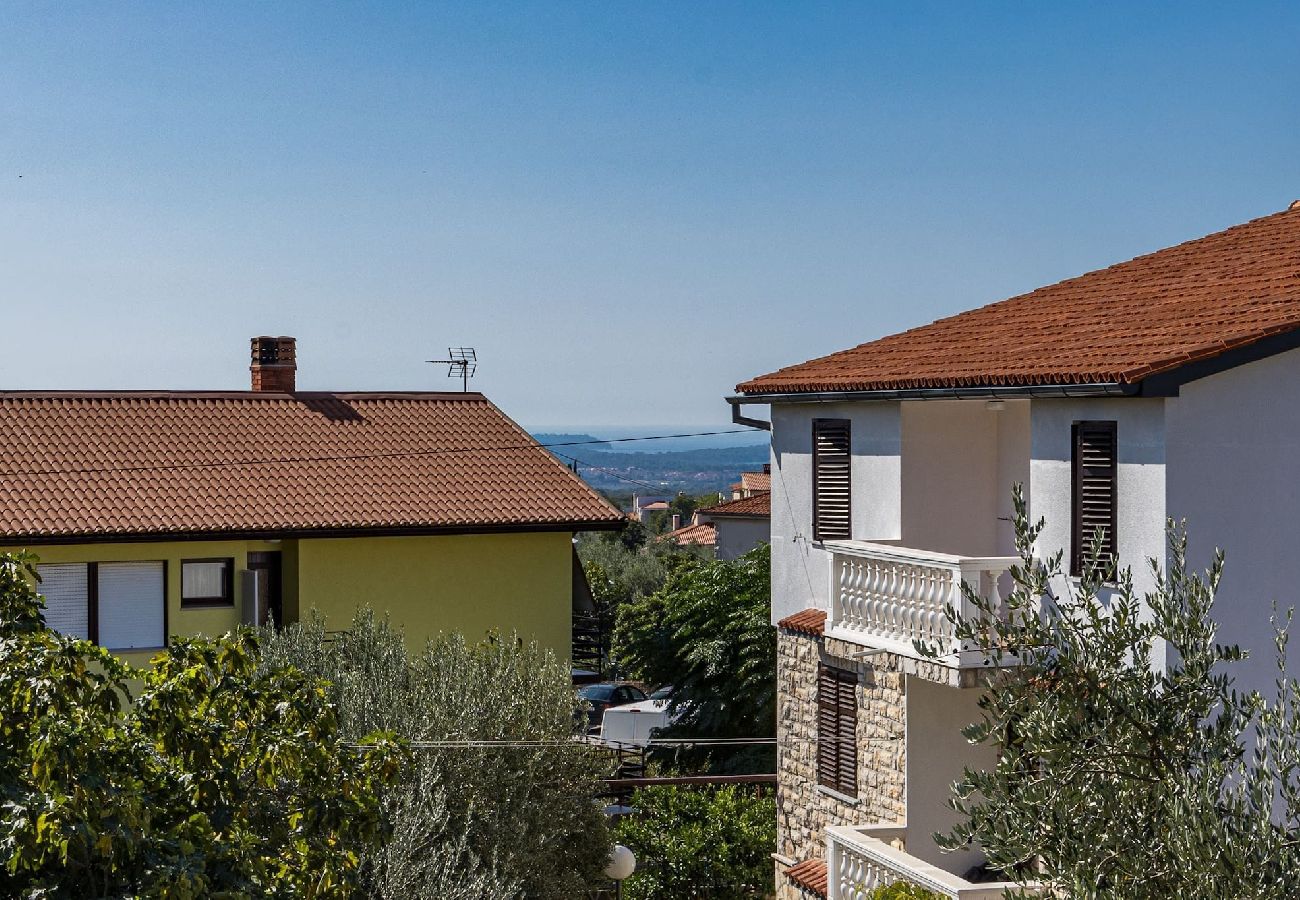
(622, 863)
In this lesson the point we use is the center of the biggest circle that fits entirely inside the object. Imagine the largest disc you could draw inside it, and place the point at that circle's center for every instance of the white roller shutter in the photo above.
(67, 598)
(131, 598)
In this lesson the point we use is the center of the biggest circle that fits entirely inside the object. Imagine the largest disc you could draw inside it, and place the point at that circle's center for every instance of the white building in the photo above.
(731, 528)
(1167, 386)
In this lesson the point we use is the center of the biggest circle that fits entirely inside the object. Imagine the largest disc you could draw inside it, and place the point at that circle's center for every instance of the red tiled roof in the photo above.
(809, 621)
(127, 463)
(1151, 314)
(704, 535)
(757, 506)
(756, 481)
(809, 875)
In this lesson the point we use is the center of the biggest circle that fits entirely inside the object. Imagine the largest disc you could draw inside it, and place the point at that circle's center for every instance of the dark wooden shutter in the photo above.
(831, 479)
(837, 733)
(1095, 466)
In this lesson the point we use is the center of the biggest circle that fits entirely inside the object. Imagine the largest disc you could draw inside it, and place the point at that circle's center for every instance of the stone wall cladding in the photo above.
(803, 809)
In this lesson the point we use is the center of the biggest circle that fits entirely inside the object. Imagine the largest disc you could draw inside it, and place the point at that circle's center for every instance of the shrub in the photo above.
(712, 843)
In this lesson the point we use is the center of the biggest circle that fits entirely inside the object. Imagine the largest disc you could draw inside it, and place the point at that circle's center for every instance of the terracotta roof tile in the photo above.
(756, 481)
(808, 621)
(759, 505)
(703, 535)
(1116, 325)
(809, 875)
(121, 463)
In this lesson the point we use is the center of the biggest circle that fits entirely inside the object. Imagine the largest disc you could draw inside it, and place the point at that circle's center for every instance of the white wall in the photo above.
(1140, 432)
(1234, 475)
(936, 755)
(737, 536)
(960, 459)
(800, 568)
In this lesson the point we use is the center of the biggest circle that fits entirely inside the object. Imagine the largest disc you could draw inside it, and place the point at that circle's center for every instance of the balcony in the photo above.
(891, 597)
(860, 860)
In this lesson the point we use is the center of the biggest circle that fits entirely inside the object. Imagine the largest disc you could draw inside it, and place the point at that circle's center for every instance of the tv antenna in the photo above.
(460, 361)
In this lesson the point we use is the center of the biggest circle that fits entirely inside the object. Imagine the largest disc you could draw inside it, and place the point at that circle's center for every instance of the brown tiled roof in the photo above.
(809, 875)
(756, 481)
(1120, 325)
(759, 505)
(704, 535)
(147, 463)
(808, 621)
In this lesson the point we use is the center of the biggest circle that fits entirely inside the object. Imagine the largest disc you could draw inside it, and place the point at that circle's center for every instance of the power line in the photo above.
(347, 457)
(552, 743)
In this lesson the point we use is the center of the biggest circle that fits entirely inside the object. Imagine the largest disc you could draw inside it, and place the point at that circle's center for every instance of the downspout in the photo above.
(749, 421)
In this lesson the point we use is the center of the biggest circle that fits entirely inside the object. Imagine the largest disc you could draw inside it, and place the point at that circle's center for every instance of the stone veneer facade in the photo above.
(804, 808)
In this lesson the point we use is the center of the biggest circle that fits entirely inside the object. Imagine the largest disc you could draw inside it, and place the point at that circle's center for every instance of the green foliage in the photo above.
(221, 781)
(714, 844)
(1116, 778)
(901, 890)
(708, 633)
(476, 822)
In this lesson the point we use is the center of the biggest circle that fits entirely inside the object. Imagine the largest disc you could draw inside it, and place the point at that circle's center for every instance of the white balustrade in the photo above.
(892, 597)
(860, 860)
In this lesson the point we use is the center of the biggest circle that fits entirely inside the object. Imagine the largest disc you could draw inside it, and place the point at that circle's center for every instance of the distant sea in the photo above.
(738, 436)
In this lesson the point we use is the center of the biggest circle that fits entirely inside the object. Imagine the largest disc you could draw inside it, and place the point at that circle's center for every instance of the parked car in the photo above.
(634, 724)
(606, 694)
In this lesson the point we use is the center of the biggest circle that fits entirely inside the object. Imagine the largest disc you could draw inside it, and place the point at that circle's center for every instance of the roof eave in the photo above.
(274, 534)
(979, 392)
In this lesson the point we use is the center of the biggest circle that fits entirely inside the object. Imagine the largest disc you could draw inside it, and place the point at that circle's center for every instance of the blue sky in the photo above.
(626, 208)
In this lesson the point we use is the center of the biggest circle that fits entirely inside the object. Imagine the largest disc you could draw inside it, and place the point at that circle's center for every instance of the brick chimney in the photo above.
(275, 362)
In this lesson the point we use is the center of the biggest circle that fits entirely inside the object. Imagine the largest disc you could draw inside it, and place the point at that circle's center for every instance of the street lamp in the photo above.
(622, 863)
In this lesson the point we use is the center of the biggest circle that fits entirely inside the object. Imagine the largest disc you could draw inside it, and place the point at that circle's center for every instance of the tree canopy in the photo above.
(220, 780)
(708, 633)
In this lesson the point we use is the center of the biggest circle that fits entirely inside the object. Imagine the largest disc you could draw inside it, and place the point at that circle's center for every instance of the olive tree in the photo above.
(1117, 778)
(473, 818)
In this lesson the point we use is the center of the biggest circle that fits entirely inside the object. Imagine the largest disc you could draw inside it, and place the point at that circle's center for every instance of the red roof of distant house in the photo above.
(808, 621)
(657, 505)
(703, 535)
(757, 506)
(116, 464)
(1119, 325)
(809, 875)
(755, 481)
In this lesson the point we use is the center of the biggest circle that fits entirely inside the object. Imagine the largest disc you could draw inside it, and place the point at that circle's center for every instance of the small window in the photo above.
(1094, 468)
(837, 732)
(832, 471)
(207, 582)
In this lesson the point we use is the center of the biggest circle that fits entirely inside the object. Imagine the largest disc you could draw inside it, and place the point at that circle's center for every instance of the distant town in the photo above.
(618, 470)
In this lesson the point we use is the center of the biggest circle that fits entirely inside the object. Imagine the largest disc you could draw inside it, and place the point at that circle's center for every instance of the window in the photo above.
(119, 605)
(207, 582)
(837, 736)
(831, 479)
(1094, 468)
(66, 589)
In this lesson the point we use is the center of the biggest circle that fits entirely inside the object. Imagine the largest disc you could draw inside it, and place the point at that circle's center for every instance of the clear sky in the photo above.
(627, 208)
